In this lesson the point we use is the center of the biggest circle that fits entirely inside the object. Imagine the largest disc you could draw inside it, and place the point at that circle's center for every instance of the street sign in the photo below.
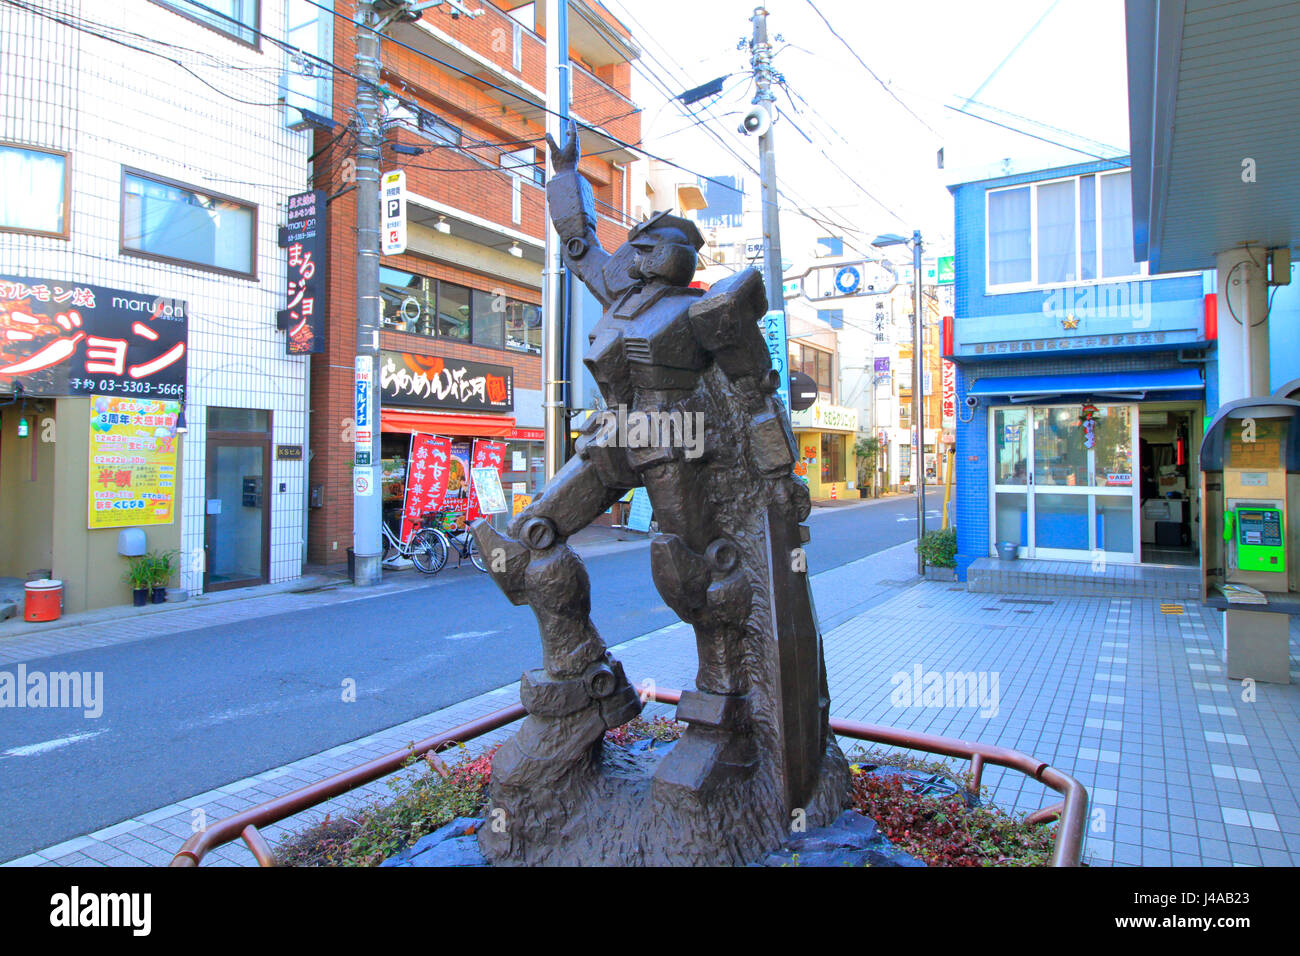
(803, 391)
(392, 202)
(839, 280)
(778, 347)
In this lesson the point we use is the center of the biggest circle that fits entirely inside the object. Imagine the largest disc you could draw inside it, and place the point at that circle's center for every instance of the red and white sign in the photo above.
(427, 471)
(949, 395)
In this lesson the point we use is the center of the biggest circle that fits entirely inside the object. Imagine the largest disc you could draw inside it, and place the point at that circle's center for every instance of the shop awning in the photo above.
(1134, 385)
(405, 421)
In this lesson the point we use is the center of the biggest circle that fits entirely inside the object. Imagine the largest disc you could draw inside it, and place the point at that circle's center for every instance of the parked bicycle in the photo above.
(426, 549)
(449, 526)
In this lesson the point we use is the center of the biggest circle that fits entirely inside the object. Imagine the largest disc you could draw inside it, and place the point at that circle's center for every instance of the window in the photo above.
(453, 311)
(400, 112)
(525, 161)
(167, 220)
(524, 326)
(489, 320)
(438, 129)
(33, 190)
(235, 18)
(408, 302)
(424, 306)
(1070, 230)
(816, 364)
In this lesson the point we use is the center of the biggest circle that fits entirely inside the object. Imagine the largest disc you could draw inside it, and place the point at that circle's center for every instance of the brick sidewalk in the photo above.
(1130, 700)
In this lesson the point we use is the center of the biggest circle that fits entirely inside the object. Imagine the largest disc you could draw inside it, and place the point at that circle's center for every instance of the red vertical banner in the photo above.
(486, 454)
(427, 471)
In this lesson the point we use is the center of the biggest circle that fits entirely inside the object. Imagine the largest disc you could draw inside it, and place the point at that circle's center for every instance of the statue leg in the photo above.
(580, 691)
(698, 572)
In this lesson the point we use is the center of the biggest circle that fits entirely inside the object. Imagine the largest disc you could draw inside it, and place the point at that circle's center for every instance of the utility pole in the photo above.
(761, 59)
(554, 341)
(918, 398)
(367, 499)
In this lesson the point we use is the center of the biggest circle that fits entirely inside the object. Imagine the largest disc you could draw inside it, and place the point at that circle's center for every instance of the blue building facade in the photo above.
(1082, 383)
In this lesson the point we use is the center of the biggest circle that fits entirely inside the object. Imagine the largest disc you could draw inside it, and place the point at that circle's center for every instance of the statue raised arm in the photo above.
(573, 211)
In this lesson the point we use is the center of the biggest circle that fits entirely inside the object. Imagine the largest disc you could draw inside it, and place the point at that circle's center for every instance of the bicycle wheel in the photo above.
(474, 554)
(428, 551)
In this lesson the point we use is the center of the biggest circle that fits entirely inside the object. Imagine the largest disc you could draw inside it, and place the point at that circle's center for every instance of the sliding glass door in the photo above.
(1063, 481)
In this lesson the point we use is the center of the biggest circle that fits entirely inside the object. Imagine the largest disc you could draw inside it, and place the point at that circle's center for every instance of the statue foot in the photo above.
(566, 719)
(717, 748)
(506, 559)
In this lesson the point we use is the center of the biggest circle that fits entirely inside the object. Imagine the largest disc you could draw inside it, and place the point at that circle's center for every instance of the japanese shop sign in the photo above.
(949, 395)
(429, 381)
(823, 415)
(487, 455)
(364, 439)
(132, 461)
(392, 207)
(308, 276)
(60, 338)
(428, 471)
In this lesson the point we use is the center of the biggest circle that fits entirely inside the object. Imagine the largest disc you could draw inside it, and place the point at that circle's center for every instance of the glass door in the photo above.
(1064, 481)
(237, 520)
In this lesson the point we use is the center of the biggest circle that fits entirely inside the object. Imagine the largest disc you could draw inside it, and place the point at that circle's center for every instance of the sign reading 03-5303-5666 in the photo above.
(60, 337)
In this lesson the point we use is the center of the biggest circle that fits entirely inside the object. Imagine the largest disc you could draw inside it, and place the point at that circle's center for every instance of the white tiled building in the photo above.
(179, 161)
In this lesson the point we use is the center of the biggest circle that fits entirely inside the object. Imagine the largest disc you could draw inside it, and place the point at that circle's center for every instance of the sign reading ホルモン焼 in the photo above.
(66, 338)
(132, 461)
(308, 275)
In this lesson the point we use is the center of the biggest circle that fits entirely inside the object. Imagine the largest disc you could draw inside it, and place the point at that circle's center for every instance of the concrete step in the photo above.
(1083, 579)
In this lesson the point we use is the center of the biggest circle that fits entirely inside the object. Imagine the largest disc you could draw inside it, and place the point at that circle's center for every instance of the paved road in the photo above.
(187, 713)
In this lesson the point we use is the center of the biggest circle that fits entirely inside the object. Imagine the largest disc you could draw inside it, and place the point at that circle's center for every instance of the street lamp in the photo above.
(918, 382)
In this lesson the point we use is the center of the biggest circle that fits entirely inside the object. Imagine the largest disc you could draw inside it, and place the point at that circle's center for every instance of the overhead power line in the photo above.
(883, 85)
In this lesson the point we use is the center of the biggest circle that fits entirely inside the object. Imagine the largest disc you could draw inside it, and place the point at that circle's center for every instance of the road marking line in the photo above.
(45, 746)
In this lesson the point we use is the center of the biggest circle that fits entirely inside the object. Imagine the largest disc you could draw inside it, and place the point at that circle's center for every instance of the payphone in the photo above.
(1250, 499)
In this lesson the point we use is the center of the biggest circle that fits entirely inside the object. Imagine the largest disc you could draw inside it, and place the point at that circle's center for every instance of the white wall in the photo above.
(110, 105)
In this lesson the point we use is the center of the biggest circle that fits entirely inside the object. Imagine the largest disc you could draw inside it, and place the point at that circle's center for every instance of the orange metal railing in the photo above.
(1072, 811)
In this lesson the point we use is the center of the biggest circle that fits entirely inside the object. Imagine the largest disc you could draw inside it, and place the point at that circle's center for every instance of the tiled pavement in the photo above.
(1132, 701)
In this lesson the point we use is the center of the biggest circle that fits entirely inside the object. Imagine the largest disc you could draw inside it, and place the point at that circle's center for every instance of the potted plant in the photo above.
(139, 574)
(866, 449)
(162, 567)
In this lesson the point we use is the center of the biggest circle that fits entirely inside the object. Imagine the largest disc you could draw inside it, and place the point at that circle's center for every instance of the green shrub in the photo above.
(939, 548)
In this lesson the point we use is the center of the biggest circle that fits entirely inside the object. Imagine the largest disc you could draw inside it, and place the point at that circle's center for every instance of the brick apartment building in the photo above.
(468, 94)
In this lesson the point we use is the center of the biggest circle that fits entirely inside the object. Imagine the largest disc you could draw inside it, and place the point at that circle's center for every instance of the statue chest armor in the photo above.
(645, 342)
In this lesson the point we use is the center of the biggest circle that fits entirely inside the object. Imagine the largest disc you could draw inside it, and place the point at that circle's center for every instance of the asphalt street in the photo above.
(186, 713)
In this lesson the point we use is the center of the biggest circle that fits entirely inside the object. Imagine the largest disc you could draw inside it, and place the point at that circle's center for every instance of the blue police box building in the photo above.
(1082, 382)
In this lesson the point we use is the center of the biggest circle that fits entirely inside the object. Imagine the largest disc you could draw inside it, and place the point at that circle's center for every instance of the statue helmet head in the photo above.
(666, 247)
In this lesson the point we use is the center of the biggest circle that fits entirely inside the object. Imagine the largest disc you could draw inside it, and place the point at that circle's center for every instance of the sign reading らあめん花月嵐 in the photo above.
(133, 476)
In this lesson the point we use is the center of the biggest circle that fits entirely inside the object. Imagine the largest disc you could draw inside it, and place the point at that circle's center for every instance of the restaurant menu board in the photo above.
(427, 472)
(132, 461)
(486, 454)
(489, 494)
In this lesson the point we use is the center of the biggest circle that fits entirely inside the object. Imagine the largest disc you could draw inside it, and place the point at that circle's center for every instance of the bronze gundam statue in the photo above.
(757, 756)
